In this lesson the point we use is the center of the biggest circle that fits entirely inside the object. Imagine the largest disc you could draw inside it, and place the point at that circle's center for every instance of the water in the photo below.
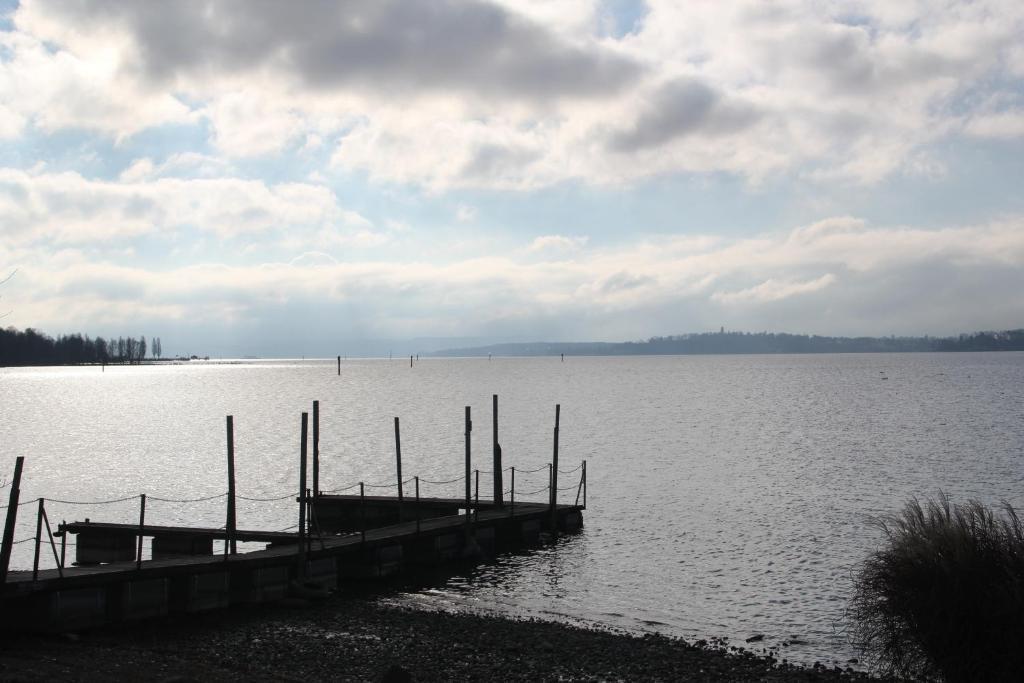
(728, 496)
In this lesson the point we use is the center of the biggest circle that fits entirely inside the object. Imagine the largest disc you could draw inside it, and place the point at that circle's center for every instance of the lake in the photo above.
(728, 495)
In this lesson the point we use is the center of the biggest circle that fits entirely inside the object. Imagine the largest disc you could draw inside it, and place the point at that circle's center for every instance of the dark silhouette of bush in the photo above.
(944, 597)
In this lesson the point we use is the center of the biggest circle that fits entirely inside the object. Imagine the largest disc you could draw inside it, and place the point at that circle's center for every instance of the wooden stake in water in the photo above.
(554, 467)
(469, 429)
(142, 529)
(12, 518)
(339, 366)
(231, 545)
(39, 538)
(398, 468)
(316, 448)
(302, 494)
(498, 490)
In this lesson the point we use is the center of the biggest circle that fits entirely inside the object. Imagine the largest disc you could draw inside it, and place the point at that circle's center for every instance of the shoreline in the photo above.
(362, 638)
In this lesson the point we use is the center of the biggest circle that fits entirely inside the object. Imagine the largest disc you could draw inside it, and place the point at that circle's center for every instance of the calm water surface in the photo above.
(728, 495)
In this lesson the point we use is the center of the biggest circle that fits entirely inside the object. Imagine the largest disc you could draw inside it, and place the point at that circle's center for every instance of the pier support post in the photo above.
(498, 485)
(398, 465)
(231, 545)
(469, 429)
(302, 493)
(12, 518)
(316, 448)
(142, 529)
(554, 469)
(339, 366)
(39, 539)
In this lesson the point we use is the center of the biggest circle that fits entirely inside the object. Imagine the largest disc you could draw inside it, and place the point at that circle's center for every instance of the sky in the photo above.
(254, 177)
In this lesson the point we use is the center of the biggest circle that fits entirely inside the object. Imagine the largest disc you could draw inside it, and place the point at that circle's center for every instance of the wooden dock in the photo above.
(339, 539)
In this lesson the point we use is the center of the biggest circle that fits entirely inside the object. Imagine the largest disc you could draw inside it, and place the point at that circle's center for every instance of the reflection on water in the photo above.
(727, 495)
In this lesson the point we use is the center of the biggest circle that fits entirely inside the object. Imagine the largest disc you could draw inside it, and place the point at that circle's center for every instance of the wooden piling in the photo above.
(410, 361)
(302, 494)
(39, 538)
(12, 518)
(469, 429)
(142, 529)
(398, 468)
(554, 466)
(339, 366)
(316, 448)
(419, 513)
(230, 545)
(512, 494)
(498, 485)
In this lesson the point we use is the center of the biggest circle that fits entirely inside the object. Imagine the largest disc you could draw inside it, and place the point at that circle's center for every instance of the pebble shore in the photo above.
(363, 639)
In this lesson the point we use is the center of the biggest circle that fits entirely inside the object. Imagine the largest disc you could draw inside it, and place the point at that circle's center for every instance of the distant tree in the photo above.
(142, 348)
(157, 350)
(121, 349)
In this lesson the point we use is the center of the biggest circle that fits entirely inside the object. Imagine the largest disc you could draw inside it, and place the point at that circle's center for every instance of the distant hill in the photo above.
(752, 342)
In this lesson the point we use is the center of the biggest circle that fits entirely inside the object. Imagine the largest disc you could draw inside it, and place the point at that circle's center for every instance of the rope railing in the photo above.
(267, 500)
(533, 493)
(92, 502)
(188, 500)
(21, 504)
(542, 467)
(440, 483)
(343, 488)
(573, 470)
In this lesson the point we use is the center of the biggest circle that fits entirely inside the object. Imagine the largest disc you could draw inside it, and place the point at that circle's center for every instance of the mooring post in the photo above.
(63, 542)
(418, 515)
(12, 518)
(142, 529)
(398, 468)
(410, 361)
(512, 493)
(469, 428)
(302, 495)
(362, 513)
(584, 484)
(476, 499)
(554, 468)
(231, 546)
(316, 448)
(339, 366)
(498, 486)
(39, 538)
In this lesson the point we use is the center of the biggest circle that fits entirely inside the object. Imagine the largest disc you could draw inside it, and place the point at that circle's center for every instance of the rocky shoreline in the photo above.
(363, 639)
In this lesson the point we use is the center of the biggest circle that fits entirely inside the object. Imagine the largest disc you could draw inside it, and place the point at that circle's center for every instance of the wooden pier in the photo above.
(340, 539)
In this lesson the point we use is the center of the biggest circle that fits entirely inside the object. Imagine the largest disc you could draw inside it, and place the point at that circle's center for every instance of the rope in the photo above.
(344, 488)
(439, 483)
(287, 528)
(24, 502)
(187, 500)
(573, 487)
(575, 469)
(542, 467)
(530, 493)
(30, 538)
(90, 502)
(268, 500)
(380, 486)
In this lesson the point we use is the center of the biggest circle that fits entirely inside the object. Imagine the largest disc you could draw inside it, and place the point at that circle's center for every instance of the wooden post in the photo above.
(584, 484)
(316, 448)
(554, 466)
(142, 529)
(512, 493)
(418, 514)
(469, 429)
(339, 366)
(398, 466)
(499, 492)
(410, 361)
(12, 518)
(39, 538)
(476, 498)
(231, 546)
(63, 542)
(362, 513)
(302, 495)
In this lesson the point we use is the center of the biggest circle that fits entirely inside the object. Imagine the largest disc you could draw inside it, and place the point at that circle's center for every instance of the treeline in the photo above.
(723, 342)
(35, 348)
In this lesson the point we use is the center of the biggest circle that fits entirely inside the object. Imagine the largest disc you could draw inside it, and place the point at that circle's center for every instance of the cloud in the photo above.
(68, 208)
(557, 243)
(863, 279)
(774, 290)
(518, 96)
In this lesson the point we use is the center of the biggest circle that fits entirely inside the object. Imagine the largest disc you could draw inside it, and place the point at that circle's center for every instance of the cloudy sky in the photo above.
(264, 177)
